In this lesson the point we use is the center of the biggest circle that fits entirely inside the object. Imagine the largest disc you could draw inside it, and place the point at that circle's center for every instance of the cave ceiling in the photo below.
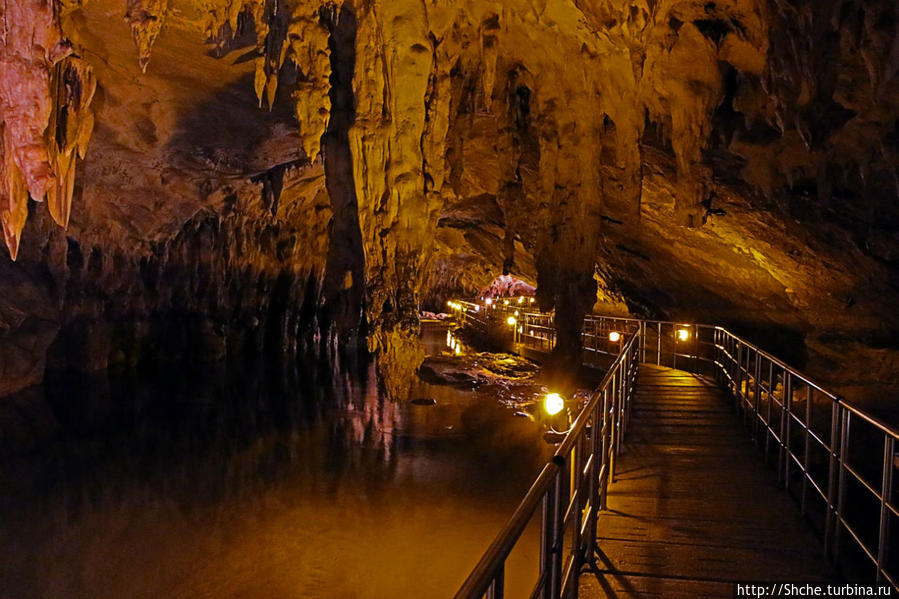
(734, 161)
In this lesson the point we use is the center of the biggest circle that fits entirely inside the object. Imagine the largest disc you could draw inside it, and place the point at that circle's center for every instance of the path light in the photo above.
(532, 300)
(553, 403)
(506, 302)
(511, 321)
(477, 308)
(516, 312)
(614, 336)
(488, 301)
(683, 334)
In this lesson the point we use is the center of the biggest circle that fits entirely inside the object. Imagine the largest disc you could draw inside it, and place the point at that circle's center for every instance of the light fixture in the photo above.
(553, 403)
(614, 336)
(521, 299)
(477, 308)
(488, 301)
(458, 349)
(683, 334)
(511, 321)
(516, 312)
(506, 302)
(532, 300)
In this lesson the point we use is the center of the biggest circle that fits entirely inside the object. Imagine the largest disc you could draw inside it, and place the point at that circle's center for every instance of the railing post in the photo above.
(836, 442)
(596, 469)
(841, 481)
(606, 447)
(642, 340)
(558, 549)
(738, 376)
(496, 589)
(659, 343)
(547, 537)
(785, 418)
(806, 453)
(756, 391)
(886, 488)
(768, 427)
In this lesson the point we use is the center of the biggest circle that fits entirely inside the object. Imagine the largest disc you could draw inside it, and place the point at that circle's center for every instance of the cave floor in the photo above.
(694, 508)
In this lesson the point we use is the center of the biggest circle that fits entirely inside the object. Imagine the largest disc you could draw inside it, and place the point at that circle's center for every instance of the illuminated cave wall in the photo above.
(205, 175)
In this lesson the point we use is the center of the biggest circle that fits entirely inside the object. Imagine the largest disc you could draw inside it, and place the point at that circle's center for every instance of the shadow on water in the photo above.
(279, 480)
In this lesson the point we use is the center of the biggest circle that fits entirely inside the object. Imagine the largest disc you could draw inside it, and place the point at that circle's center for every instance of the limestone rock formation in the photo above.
(730, 160)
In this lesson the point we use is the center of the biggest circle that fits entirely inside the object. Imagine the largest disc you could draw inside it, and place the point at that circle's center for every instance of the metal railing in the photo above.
(836, 460)
(822, 447)
(570, 490)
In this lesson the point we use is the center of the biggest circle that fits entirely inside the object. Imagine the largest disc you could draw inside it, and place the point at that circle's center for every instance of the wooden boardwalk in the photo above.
(694, 508)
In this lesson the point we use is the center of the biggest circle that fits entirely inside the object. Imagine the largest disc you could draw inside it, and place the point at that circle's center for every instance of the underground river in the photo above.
(297, 480)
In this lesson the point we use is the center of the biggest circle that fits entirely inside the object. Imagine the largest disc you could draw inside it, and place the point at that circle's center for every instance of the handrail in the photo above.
(572, 485)
(785, 409)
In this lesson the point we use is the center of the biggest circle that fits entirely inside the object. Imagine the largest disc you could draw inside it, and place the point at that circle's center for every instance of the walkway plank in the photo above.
(694, 508)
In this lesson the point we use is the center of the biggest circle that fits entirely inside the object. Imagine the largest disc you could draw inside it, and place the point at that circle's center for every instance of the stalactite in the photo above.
(308, 43)
(13, 198)
(146, 19)
(71, 123)
(44, 112)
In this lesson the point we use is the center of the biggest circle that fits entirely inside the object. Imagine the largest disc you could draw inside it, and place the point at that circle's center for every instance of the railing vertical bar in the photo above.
(833, 456)
(841, 481)
(768, 408)
(659, 344)
(785, 418)
(808, 445)
(555, 569)
(885, 493)
(546, 543)
(757, 396)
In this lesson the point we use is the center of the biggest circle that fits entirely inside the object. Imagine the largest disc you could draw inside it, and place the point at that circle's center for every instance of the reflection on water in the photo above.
(294, 481)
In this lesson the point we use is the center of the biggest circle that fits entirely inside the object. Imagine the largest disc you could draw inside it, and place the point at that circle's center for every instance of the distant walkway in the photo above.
(693, 507)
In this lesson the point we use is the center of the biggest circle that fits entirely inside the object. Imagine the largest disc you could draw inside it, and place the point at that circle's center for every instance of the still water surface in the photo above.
(296, 481)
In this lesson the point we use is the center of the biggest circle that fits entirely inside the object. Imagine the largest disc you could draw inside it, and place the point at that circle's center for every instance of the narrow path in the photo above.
(694, 508)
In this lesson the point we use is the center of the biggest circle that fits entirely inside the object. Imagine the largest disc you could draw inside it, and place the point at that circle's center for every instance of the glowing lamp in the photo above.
(614, 336)
(511, 321)
(506, 302)
(516, 312)
(683, 334)
(458, 350)
(532, 300)
(450, 304)
(553, 403)
(488, 301)
(477, 308)
(521, 299)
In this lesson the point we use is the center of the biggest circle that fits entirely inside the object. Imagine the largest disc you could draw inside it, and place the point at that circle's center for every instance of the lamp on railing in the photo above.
(511, 321)
(614, 336)
(683, 334)
(553, 403)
